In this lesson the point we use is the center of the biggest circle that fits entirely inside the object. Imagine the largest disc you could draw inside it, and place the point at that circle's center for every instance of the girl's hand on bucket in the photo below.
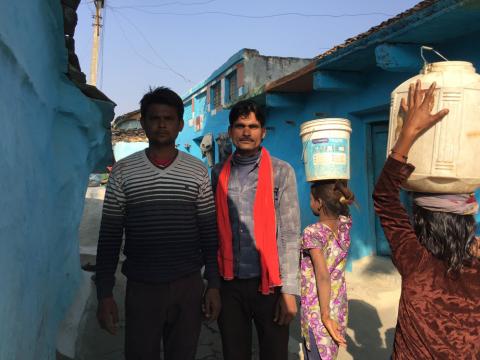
(334, 330)
(418, 119)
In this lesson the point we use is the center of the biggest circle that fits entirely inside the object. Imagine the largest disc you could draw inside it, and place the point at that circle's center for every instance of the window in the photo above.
(131, 124)
(231, 85)
(217, 95)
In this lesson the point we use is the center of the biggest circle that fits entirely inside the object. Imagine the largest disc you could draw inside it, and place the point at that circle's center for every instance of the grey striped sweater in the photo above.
(169, 221)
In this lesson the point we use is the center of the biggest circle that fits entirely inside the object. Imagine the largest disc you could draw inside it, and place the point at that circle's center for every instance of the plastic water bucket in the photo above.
(446, 156)
(326, 148)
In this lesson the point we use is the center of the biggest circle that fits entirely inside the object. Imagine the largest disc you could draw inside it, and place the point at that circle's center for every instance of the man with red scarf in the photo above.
(259, 229)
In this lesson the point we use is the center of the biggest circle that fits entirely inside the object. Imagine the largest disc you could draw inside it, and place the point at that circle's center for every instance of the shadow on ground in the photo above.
(367, 342)
(382, 265)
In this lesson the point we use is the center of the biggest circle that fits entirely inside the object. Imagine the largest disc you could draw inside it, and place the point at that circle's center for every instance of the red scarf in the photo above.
(264, 224)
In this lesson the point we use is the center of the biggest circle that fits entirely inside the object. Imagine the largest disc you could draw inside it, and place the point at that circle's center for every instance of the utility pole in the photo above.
(99, 5)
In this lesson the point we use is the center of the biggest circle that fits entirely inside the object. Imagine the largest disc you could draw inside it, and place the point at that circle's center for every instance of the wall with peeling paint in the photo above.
(261, 70)
(253, 71)
(123, 149)
(52, 138)
(364, 107)
(450, 26)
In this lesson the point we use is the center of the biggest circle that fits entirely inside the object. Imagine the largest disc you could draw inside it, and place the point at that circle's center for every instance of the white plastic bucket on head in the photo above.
(326, 148)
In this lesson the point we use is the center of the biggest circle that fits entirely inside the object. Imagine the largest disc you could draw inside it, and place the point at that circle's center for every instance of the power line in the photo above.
(136, 52)
(168, 67)
(133, 47)
(172, 3)
(246, 16)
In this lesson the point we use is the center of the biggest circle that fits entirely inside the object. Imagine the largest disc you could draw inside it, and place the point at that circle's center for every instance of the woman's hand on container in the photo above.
(418, 108)
(418, 117)
(333, 329)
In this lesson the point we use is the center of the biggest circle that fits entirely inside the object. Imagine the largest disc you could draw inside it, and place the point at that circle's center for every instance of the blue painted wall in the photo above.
(201, 104)
(123, 149)
(211, 124)
(188, 110)
(363, 107)
(234, 59)
(52, 138)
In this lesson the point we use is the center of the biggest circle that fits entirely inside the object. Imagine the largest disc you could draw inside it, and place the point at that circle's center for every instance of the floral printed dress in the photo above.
(335, 249)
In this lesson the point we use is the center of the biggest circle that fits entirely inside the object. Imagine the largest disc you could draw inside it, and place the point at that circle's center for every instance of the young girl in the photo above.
(324, 254)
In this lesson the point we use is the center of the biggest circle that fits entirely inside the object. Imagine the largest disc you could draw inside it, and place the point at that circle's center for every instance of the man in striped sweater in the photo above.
(161, 198)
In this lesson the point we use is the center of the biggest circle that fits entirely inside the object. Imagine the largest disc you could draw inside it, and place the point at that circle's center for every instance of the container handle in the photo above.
(305, 147)
(429, 48)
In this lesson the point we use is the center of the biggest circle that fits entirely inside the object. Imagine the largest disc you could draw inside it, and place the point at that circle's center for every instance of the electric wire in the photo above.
(247, 16)
(167, 65)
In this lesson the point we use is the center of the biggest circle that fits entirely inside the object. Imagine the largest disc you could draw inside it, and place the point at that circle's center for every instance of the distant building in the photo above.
(354, 81)
(206, 104)
(128, 121)
(127, 135)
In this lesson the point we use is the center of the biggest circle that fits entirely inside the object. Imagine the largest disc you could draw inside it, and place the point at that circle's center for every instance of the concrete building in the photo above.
(206, 104)
(354, 81)
(241, 76)
(56, 131)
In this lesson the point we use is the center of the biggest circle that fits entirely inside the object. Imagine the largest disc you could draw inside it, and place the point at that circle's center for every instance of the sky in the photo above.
(149, 43)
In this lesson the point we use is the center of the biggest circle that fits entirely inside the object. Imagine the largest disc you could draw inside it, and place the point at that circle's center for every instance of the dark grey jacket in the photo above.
(240, 203)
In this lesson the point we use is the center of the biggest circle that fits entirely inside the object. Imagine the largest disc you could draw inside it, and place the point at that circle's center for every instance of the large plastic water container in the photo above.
(446, 157)
(326, 148)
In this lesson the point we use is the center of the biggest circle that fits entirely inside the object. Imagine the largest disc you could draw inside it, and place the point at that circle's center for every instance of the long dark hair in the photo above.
(447, 236)
(335, 194)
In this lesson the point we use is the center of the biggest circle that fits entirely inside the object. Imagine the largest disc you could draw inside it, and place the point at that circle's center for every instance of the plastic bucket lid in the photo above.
(325, 125)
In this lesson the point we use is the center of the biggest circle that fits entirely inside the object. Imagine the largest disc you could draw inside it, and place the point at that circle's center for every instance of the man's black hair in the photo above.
(243, 109)
(163, 96)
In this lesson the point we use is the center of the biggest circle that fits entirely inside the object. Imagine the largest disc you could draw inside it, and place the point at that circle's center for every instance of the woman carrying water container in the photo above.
(325, 247)
(436, 253)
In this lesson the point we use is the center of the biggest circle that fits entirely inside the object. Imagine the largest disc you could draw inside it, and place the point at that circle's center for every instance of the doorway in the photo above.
(379, 137)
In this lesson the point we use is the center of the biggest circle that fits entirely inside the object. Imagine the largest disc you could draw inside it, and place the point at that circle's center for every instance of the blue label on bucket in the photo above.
(327, 158)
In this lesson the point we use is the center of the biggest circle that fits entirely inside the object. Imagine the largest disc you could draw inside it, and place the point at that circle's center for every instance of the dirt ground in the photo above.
(373, 292)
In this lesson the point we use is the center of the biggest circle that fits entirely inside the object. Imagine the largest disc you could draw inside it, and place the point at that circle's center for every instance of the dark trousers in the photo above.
(313, 353)
(242, 303)
(171, 312)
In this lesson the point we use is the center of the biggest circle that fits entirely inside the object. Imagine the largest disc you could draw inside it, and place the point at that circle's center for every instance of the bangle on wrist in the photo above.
(397, 153)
